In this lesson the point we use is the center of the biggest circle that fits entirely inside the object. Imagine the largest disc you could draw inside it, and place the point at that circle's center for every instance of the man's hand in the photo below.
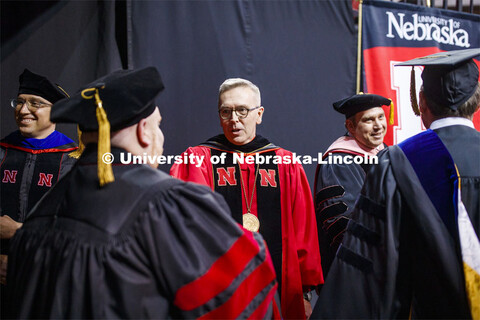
(308, 308)
(8, 227)
(3, 268)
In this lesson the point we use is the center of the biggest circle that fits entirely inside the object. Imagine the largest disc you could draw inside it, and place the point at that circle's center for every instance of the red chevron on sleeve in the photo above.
(220, 275)
(259, 279)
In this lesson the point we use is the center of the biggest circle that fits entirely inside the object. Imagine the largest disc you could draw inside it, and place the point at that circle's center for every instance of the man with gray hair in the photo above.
(266, 192)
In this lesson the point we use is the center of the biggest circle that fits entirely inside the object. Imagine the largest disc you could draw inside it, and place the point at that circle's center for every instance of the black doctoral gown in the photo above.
(336, 189)
(398, 258)
(144, 246)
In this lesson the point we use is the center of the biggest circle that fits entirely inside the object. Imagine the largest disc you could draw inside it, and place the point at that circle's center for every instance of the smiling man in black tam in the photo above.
(32, 158)
(412, 247)
(35, 156)
(338, 184)
(123, 240)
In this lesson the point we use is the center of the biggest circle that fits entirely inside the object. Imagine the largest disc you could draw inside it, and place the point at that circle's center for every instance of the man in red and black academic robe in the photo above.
(32, 159)
(266, 189)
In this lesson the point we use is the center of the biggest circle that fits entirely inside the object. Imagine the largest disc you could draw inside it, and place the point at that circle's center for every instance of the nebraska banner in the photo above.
(396, 32)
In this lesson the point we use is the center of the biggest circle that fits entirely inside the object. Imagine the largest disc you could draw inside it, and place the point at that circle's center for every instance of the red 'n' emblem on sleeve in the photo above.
(224, 177)
(267, 178)
(45, 179)
(9, 176)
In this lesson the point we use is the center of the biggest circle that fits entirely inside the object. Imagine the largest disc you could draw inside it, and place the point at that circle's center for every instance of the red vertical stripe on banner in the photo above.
(379, 63)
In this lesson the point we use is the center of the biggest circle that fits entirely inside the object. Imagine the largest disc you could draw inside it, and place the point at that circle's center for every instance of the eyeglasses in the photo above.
(33, 106)
(241, 112)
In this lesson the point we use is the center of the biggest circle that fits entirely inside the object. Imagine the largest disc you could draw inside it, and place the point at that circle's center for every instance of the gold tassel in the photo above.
(391, 117)
(63, 90)
(77, 153)
(105, 172)
(413, 93)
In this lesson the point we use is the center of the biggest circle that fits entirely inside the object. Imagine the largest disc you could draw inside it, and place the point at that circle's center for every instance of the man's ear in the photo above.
(422, 105)
(143, 133)
(350, 127)
(260, 114)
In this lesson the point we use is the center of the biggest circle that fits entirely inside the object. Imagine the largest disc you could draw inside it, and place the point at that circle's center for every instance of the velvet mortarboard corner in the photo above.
(449, 78)
(32, 83)
(127, 96)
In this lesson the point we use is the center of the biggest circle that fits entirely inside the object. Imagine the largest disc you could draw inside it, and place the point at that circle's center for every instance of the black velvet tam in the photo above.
(360, 102)
(32, 83)
(127, 97)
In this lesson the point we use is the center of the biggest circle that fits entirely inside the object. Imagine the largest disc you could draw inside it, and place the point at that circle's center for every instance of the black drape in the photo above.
(300, 53)
(70, 42)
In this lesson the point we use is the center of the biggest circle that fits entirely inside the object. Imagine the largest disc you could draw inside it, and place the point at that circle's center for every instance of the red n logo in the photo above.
(267, 177)
(9, 176)
(224, 177)
(45, 179)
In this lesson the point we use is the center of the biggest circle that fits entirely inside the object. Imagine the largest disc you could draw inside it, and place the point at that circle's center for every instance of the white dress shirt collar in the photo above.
(451, 121)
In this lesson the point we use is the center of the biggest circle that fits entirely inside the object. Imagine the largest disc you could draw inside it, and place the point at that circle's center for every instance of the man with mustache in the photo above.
(338, 184)
(271, 198)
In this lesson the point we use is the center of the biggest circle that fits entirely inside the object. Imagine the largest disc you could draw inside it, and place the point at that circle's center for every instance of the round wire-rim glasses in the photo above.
(17, 104)
(241, 112)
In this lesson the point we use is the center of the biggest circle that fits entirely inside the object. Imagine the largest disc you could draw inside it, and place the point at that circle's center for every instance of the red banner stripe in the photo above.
(219, 276)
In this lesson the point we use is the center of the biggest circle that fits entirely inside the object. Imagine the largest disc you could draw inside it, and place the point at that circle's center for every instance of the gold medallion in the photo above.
(251, 222)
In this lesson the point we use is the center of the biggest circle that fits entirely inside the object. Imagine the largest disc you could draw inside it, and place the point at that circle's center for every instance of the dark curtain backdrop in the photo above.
(70, 42)
(300, 53)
